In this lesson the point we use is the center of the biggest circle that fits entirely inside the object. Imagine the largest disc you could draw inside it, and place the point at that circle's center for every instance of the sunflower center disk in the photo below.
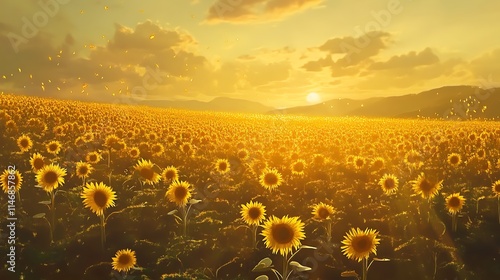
(389, 184)
(323, 213)
(147, 173)
(362, 244)
(271, 179)
(50, 177)
(254, 213)
(38, 163)
(180, 192)
(426, 186)
(100, 199)
(283, 234)
(454, 202)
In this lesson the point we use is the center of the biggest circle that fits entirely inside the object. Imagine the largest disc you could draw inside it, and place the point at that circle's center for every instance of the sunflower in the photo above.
(358, 162)
(389, 183)
(298, 167)
(283, 235)
(93, 157)
(24, 143)
(454, 203)
(496, 188)
(37, 161)
(425, 187)
(186, 148)
(257, 166)
(124, 260)
(111, 141)
(53, 147)
(169, 174)
(253, 213)
(179, 192)
(83, 169)
(481, 154)
(7, 179)
(222, 166)
(145, 169)
(413, 159)
(359, 244)
(454, 159)
(322, 211)
(378, 163)
(134, 152)
(243, 154)
(50, 177)
(98, 197)
(157, 149)
(270, 179)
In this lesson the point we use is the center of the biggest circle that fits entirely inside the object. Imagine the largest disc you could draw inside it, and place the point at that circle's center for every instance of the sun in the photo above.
(313, 97)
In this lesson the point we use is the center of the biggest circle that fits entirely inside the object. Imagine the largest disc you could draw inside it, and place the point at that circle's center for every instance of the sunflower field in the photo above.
(101, 191)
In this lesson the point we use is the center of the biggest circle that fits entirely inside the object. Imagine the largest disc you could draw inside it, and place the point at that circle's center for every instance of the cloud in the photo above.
(246, 11)
(485, 67)
(355, 53)
(409, 60)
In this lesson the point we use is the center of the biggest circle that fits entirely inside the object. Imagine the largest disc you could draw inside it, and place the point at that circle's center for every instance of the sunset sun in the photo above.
(313, 98)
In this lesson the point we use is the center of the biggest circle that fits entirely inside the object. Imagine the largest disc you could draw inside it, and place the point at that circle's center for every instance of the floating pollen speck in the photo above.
(106, 8)
(19, 69)
(50, 58)
(152, 36)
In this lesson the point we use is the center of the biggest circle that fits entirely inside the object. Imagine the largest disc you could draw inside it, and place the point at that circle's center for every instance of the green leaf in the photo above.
(45, 202)
(298, 267)
(263, 265)
(194, 201)
(349, 273)
(307, 247)
(262, 277)
(39, 216)
(381, 260)
(172, 212)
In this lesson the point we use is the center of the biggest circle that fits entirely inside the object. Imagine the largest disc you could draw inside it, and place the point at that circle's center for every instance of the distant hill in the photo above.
(221, 104)
(450, 102)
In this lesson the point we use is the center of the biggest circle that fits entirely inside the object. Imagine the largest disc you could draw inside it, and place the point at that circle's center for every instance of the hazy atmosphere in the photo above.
(276, 52)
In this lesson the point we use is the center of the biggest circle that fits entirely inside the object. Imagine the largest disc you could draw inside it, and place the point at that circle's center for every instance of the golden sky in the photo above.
(273, 51)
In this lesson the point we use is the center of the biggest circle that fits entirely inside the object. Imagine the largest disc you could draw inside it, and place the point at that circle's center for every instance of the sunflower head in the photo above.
(124, 260)
(378, 163)
(9, 179)
(425, 187)
(243, 154)
(298, 167)
(146, 171)
(389, 183)
(50, 177)
(222, 166)
(24, 143)
(322, 211)
(83, 169)
(359, 244)
(37, 162)
(98, 197)
(169, 174)
(358, 162)
(93, 157)
(253, 213)
(157, 149)
(283, 234)
(134, 152)
(53, 147)
(496, 188)
(270, 179)
(179, 192)
(454, 203)
(454, 159)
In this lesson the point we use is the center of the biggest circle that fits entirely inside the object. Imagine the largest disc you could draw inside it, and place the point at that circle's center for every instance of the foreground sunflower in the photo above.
(37, 162)
(93, 157)
(425, 187)
(496, 188)
(98, 197)
(222, 166)
(253, 213)
(7, 179)
(389, 183)
(283, 234)
(454, 203)
(24, 143)
(270, 179)
(145, 169)
(322, 211)
(50, 177)
(179, 192)
(359, 244)
(124, 260)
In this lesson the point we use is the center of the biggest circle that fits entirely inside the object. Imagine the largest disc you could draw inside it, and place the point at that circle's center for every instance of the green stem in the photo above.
(454, 222)
(103, 231)
(184, 220)
(285, 267)
(254, 236)
(499, 209)
(53, 214)
(328, 231)
(365, 269)
(109, 157)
